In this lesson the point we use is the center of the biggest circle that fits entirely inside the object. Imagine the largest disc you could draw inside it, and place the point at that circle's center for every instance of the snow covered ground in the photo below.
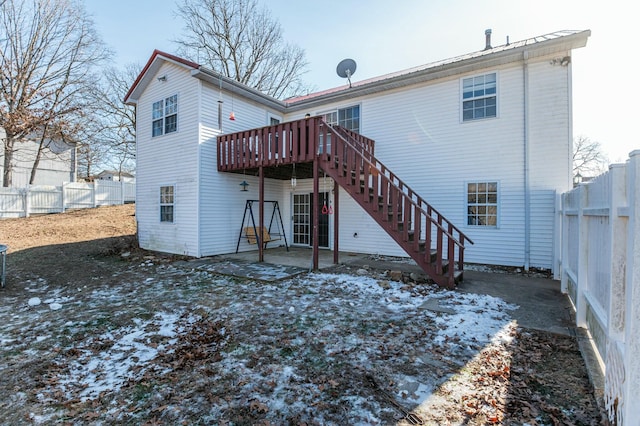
(180, 344)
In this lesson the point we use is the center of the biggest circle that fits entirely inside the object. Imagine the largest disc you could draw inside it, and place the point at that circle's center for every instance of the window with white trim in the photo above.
(479, 98)
(167, 203)
(482, 203)
(349, 118)
(165, 116)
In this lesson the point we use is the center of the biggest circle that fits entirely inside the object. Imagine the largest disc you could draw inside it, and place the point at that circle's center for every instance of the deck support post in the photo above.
(336, 216)
(261, 214)
(316, 211)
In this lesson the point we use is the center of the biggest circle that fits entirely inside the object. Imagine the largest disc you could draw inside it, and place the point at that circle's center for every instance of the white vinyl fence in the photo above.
(22, 202)
(600, 266)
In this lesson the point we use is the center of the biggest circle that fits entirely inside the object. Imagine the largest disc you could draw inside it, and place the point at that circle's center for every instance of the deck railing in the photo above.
(284, 143)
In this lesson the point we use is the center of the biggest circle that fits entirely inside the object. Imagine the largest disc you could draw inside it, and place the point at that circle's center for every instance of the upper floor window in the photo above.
(479, 97)
(165, 116)
(349, 118)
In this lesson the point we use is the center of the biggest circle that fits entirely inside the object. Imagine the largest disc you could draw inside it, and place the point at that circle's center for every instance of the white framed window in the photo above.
(273, 119)
(482, 204)
(479, 97)
(348, 117)
(167, 203)
(164, 115)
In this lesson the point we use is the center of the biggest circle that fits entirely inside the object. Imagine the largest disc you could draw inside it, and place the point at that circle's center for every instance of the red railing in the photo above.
(407, 218)
(376, 164)
(285, 143)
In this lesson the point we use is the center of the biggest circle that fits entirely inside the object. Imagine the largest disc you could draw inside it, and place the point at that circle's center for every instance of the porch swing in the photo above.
(260, 235)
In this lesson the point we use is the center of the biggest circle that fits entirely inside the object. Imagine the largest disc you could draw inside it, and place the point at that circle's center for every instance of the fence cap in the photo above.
(3, 248)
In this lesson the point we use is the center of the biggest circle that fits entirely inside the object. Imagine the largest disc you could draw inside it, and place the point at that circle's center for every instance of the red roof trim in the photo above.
(154, 55)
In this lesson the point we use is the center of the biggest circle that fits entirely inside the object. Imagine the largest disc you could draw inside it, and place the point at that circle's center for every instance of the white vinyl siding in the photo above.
(419, 136)
(550, 150)
(165, 160)
(222, 202)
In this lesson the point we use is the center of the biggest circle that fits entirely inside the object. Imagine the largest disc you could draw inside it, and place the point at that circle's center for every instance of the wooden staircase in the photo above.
(429, 238)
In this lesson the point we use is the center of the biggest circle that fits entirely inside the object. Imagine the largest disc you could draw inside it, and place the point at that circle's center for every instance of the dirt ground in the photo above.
(96, 331)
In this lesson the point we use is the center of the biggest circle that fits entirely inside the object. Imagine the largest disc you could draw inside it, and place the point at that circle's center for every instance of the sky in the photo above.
(384, 36)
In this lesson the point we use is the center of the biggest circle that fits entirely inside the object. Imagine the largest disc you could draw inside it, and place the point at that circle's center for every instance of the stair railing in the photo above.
(354, 161)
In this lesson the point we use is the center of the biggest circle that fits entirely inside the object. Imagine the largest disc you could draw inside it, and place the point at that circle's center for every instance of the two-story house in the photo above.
(473, 148)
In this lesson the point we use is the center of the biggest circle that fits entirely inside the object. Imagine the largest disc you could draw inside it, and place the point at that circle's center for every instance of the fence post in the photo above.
(558, 238)
(614, 364)
(121, 192)
(564, 242)
(632, 311)
(27, 201)
(618, 244)
(583, 258)
(95, 193)
(63, 197)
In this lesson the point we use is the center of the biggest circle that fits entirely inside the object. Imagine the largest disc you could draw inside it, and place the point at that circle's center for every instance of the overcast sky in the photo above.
(383, 38)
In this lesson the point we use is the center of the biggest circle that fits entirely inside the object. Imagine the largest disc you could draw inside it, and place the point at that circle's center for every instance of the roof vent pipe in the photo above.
(487, 35)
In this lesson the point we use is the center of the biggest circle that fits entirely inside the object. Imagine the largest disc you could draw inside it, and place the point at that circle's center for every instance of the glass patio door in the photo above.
(302, 219)
(303, 212)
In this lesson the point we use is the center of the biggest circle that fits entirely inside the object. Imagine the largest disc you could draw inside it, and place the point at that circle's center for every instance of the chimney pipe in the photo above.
(487, 35)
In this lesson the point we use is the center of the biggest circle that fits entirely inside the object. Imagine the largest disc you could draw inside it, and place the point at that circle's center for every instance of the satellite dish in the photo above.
(346, 68)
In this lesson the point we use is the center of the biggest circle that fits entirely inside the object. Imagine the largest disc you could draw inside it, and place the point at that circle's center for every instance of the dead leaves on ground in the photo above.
(519, 384)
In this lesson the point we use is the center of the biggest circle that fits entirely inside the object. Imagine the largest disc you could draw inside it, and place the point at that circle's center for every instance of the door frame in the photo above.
(327, 194)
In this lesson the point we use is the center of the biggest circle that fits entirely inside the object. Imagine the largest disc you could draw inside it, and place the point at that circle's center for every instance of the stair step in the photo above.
(445, 264)
(389, 211)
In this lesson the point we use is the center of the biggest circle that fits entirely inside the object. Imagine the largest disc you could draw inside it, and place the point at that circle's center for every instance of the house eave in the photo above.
(149, 71)
(498, 56)
(238, 89)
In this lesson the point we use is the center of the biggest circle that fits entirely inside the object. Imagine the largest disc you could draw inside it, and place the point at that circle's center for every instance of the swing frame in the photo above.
(258, 234)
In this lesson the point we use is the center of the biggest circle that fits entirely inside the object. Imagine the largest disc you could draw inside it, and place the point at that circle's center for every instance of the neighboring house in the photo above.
(114, 175)
(485, 138)
(57, 162)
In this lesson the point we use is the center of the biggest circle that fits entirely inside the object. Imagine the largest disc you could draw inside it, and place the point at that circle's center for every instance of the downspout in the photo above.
(198, 250)
(527, 189)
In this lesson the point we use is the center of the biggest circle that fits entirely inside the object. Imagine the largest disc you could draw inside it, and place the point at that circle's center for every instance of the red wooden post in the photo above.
(315, 212)
(261, 219)
(336, 216)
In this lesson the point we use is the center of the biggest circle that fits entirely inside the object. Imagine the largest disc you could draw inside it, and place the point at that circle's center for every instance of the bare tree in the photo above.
(588, 158)
(48, 50)
(91, 156)
(242, 41)
(113, 121)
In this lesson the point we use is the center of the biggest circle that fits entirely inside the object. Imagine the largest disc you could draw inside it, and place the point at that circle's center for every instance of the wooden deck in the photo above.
(435, 243)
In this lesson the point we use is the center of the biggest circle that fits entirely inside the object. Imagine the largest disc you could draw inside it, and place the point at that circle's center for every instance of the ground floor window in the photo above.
(482, 203)
(167, 203)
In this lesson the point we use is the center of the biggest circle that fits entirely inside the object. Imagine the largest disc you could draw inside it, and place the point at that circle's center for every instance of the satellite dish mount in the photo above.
(346, 68)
